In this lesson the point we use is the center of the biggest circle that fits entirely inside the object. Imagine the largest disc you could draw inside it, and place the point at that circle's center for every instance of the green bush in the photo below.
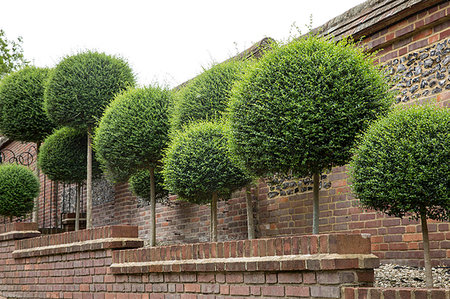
(206, 96)
(133, 131)
(300, 106)
(401, 167)
(62, 156)
(140, 185)
(18, 187)
(198, 163)
(22, 100)
(401, 164)
(82, 85)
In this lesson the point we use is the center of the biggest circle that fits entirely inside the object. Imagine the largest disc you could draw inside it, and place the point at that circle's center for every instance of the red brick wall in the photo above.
(90, 264)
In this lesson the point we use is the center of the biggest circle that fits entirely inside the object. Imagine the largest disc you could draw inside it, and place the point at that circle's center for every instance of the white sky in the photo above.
(167, 41)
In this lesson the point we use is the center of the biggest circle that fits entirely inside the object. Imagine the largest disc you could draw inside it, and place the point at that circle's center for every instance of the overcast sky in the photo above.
(168, 41)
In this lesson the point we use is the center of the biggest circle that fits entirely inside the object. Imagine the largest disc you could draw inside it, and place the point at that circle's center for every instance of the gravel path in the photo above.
(391, 275)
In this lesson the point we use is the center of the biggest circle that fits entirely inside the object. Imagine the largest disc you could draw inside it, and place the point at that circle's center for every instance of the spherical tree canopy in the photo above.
(401, 164)
(18, 187)
(198, 163)
(300, 107)
(133, 131)
(22, 100)
(206, 96)
(81, 86)
(140, 185)
(63, 154)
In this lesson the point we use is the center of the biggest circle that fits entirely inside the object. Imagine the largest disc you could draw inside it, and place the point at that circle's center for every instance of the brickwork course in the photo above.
(412, 40)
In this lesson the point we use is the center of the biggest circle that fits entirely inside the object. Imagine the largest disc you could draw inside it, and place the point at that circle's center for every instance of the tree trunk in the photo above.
(89, 181)
(316, 212)
(426, 250)
(77, 208)
(152, 207)
(250, 222)
(214, 217)
(35, 214)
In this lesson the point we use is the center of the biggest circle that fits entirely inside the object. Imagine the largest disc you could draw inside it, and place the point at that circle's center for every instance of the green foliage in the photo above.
(300, 106)
(401, 164)
(11, 54)
(140, 185)
(206, 96)
(63, 156)
(82, 85)
(133, 131)
(22, 100)
(198, 163)
(18, 187)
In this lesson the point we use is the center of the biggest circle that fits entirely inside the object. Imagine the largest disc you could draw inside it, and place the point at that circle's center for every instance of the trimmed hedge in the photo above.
(206, 96)
(198, 163)
(300, 107)
(82, 85)
(63, 156)
(401, 164)
(18, 188)
(133, 131)
(22, 111)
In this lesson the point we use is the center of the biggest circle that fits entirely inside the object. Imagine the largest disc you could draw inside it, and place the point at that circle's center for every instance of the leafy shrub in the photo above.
(140, 185)
(206, 96)
(299, 109)
(401, 167)
(82, 85)
(62, 156)
(18, 187)
(131, 136)
(198, 163)
(22, 100)
(133, 131)
(300, 106)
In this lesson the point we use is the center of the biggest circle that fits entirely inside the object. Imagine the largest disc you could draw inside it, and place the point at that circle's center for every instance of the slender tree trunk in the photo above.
(250, 222)
(316, 212)
(55, 204)
(35, 214)
(89, 181)
(152, 207)
(77, 208)
(426, 250)
(214, 217)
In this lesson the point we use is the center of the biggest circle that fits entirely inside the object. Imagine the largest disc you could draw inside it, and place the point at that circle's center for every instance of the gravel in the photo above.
(391, 275)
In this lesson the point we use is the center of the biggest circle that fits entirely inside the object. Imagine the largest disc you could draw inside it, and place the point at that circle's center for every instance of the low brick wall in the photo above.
(107, 262)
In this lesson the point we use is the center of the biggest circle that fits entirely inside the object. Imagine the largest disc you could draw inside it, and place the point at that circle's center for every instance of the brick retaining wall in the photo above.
(92, 264)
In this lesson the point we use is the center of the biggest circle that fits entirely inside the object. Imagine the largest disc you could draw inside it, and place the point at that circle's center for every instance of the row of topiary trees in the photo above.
(298, 110)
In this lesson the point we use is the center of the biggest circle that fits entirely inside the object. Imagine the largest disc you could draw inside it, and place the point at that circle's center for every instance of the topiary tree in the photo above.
(198, 167)
(63, 158)
(299, 108)
(400, 167)
(22, 112)
(79, 89)
(206, 97)
(63, 154)
(131, 136)
(18, 187)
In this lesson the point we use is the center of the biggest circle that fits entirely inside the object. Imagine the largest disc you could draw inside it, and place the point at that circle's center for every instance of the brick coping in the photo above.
(90, 245)
(309, 262)
(16, 235)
